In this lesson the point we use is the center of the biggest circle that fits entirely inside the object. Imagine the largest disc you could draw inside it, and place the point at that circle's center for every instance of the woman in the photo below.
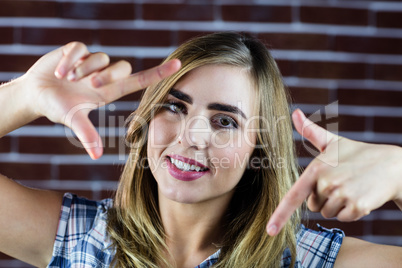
(211, 158)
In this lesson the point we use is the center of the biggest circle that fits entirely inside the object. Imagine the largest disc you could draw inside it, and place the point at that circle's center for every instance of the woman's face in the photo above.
(200, 141)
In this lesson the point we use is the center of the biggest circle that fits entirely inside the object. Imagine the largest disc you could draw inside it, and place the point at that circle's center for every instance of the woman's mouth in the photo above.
(186, 166)
(185, 169)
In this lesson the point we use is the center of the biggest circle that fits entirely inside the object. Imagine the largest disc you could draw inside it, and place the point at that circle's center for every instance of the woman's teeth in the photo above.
(185, 166)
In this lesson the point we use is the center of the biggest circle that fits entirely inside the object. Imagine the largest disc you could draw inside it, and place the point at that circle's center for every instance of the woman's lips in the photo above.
(185, 175)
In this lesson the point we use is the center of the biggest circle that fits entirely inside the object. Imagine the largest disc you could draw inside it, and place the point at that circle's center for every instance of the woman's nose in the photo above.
(197, 132)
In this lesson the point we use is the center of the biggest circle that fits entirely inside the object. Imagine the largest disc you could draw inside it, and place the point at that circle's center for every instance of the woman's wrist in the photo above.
(17, 105)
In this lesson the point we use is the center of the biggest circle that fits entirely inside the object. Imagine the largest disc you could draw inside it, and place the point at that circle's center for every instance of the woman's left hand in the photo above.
(347, 180)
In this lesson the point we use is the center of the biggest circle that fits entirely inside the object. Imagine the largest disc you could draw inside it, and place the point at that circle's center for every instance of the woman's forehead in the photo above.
(219, 83)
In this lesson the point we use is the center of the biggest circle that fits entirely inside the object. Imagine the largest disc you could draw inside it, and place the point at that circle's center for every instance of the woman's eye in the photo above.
(175, 107)
(224, 122)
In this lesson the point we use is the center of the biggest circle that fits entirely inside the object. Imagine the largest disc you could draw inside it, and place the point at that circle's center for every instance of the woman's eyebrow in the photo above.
(226, 108)
(181, 96)
(212, 106)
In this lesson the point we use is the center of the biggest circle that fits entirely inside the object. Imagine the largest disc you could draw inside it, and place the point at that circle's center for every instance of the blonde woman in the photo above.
(211, 158)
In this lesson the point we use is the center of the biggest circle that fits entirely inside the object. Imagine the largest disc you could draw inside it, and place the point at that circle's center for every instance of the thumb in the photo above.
(89, 138)
(317, 135)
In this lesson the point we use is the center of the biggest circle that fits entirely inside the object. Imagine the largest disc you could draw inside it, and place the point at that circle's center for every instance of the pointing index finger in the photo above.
(140, 80)
(292, 201)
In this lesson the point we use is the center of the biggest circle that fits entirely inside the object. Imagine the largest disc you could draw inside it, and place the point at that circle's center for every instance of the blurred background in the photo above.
(342, 62)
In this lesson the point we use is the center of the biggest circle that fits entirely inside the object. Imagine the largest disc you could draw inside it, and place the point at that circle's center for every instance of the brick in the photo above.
(286, 67)
(150, 63)
(390, 206)
(183, 36)
(4, 257)
(369, 97)
(80, 193)
(387, 72)
(351, 123)
(388, 124)
(15, 263)
(376, 45)
(98, 11)
(177, 12)
(11, 8)
(106, 193)
(7, 35)
(382, 227)
(107, 118)
(10, 262)
(333, 70)
(42, 121)
(305, 149)
(296, 41)
(91, 195)
(350, 228)
(256, 13)
(115, 145)
(96, 172)
(333, 15)
(56, 36)
(322, 118)
(5, 144)
(48, 145)
(136, 96)
(309, 95)
(26, 171)
(135, 38)
(16, 63)
(389, 19)
(68, 146)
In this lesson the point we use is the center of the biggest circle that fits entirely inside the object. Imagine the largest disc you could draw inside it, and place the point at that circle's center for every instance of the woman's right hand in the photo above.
(67, 83)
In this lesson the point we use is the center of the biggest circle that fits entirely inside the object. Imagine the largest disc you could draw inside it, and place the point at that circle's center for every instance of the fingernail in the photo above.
(60, 72)
(71, 76)
(96, 152)
(272, 229)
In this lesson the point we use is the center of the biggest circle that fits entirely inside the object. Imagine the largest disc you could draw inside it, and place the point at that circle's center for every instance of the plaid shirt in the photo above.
(82, 240)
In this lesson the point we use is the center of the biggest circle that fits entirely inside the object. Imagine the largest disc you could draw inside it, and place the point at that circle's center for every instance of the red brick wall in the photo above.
(345, 51)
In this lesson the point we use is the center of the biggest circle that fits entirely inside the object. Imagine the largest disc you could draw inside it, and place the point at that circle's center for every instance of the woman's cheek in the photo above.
(232, 151)
(223, 139)
(161, 132)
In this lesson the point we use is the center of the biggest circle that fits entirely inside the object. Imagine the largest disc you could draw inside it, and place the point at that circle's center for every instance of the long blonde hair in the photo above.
(135, 226)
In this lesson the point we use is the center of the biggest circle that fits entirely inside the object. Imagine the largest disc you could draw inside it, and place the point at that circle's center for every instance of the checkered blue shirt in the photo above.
(82, 241)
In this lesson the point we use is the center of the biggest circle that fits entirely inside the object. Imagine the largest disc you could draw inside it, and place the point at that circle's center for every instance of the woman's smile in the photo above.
(185, 169)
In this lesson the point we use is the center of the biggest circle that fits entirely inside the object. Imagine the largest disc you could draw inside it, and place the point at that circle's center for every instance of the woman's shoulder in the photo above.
(84, 205)
(315, 248)
(82, 213)
(82, 232)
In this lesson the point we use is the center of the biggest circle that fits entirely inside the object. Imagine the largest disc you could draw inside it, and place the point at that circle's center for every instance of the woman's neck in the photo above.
(194, 231)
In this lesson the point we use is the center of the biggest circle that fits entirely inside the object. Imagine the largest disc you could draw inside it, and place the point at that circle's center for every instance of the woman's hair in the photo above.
(134, 223)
